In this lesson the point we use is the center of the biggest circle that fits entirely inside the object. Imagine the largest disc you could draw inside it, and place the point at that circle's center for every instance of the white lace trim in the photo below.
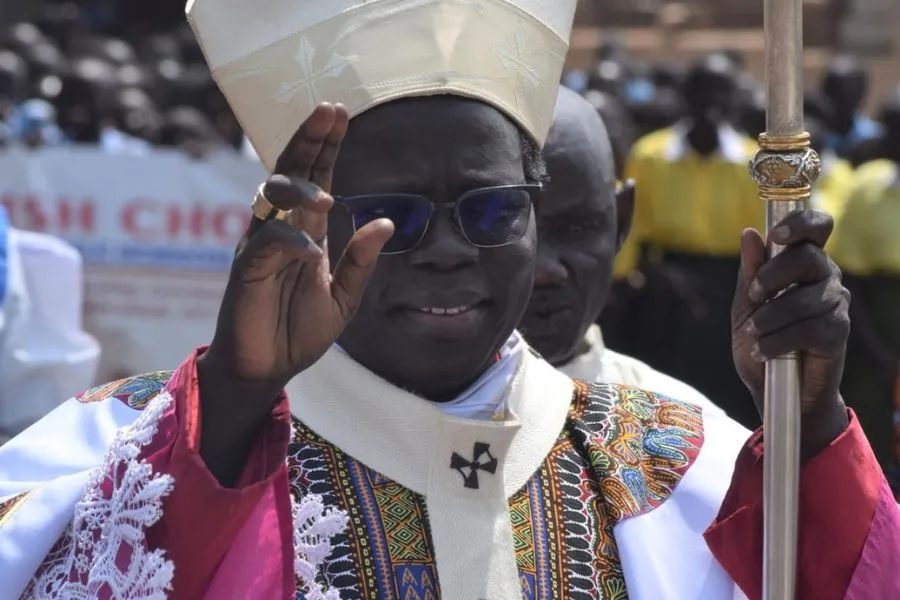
(83, 565)
(314, 526)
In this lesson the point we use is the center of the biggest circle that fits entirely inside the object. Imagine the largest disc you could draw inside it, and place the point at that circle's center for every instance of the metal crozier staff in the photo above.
(785, 168)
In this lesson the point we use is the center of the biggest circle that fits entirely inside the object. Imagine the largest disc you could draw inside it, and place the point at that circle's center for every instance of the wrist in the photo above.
(233, 412)
(229, 391)
(822, 426)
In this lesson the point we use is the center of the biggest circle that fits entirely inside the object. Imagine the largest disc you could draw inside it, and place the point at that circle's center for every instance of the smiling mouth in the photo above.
(455, 310)
(458, 322)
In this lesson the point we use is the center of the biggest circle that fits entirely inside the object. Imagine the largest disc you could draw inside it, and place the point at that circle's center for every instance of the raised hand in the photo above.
(811, 318)
(283, 308)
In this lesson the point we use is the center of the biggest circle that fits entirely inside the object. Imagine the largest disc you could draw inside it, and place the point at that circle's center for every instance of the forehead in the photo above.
(580, 172)
(420, 144)
(572, 187)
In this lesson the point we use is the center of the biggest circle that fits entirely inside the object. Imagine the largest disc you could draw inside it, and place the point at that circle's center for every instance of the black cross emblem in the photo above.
(482, 460)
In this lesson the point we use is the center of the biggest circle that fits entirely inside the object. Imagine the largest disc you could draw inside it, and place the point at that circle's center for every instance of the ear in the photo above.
(624, 211)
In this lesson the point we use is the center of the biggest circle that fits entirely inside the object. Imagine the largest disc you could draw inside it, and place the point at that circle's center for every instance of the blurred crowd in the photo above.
(91, 74)
(79, 74)
(684, 133)
(651, 97)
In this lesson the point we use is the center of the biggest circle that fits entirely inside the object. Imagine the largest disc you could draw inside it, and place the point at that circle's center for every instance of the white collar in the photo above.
(486, 398)
(731, 143)
(400, 434)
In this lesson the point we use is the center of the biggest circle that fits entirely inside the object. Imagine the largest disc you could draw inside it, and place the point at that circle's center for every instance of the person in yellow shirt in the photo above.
(866, 245)
(837, 178)
(694, 197)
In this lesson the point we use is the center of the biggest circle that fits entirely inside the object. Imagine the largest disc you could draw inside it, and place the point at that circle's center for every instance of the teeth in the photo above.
(446, 311)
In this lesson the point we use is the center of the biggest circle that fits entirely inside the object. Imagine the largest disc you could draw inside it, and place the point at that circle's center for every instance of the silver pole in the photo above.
(785, 169)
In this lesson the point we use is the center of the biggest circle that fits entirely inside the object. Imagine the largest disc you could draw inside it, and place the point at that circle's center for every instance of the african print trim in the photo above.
(620, 455)
(136, 392)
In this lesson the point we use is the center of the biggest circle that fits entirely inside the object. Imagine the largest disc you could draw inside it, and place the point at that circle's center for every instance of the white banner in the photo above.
(157, 234)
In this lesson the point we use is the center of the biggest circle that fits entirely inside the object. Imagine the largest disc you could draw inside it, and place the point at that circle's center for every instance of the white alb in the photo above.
(83, 565)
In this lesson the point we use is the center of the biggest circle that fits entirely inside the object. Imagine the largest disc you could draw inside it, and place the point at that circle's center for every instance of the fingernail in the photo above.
(781, 233)
(750, 327)
(756, 290)
(756, 355)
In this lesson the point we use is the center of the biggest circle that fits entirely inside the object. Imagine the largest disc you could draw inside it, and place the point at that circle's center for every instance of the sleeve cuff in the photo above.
(266, 458)
(840, 489)
(202, 518)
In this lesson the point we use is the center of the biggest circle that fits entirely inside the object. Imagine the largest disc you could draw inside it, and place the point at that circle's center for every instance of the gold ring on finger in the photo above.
(265, 210)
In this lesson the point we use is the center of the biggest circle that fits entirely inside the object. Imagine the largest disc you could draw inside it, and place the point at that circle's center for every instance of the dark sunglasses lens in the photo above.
(410, 215)
(495, 217)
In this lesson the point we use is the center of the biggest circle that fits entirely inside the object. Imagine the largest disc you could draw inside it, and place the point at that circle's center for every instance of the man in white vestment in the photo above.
(367, 424)
(44, 353)
(582, 222)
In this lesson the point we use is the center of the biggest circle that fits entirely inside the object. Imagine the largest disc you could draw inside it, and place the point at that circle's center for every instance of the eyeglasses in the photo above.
(488, 217)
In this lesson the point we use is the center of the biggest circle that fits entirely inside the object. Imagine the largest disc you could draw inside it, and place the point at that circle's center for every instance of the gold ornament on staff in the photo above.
(785, 168)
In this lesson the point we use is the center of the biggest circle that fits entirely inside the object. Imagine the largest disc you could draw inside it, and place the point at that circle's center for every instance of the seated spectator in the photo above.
(133, 125)
(44, 353)
(189, 129)
(34, 124)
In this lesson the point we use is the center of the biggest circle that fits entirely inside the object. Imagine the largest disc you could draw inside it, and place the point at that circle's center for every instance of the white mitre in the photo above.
(276, 60)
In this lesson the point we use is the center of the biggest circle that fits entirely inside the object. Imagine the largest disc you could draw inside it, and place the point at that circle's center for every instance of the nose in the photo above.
(549, 269)
(443, 248)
